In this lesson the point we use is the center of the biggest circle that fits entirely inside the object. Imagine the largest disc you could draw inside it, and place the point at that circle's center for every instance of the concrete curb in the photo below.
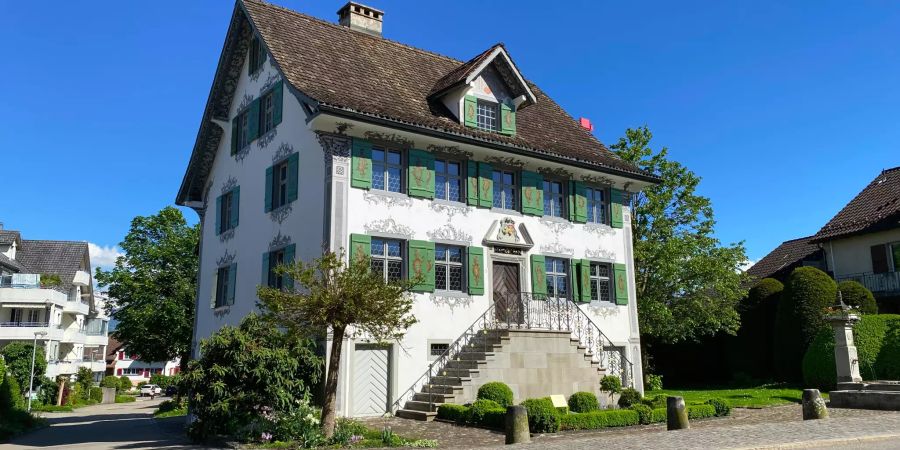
(823, 442)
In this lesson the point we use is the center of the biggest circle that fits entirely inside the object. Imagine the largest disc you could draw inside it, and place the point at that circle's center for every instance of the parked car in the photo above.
(171, 391)
(150, 389)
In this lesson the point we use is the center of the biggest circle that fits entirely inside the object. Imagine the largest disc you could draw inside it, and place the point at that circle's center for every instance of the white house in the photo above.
(322, 136)
(121, 362)
(46, 292)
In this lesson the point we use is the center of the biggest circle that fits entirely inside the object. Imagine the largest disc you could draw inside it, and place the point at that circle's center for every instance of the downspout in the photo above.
(831, 256)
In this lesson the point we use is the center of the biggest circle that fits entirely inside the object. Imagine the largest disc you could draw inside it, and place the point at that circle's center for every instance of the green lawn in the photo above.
(758, 397)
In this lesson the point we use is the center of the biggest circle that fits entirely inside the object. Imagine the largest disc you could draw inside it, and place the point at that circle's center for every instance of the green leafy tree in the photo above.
(18, 363)
(154, 284)
(245, 373)
(688, 284)
(85, 379)
(110, 381)
(125, 383)
(334, 294)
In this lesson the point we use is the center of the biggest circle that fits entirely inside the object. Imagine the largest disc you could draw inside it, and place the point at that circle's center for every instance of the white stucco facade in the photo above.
(852, 255)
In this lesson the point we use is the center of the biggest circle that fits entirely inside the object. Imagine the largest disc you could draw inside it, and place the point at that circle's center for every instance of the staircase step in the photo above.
(475, 356)
(464, 364)
(454, 372)
(434, 397)
(416, 405)
(450, 381)
(441, 389)
(424, 416)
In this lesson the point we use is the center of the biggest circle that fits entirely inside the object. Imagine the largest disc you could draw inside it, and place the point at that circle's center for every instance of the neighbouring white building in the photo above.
(46, 290)
(327, 136)
(120, 361)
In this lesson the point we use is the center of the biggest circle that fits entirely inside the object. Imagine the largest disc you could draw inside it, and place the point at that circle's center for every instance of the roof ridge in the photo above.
(55, 240)
(345, 29)
(883, 171)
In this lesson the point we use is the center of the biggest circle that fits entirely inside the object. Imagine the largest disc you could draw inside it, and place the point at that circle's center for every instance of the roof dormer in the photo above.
(485, 92)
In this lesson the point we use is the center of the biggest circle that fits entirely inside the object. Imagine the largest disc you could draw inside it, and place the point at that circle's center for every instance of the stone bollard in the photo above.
(813, 405)
(676, 414)
(517, 425)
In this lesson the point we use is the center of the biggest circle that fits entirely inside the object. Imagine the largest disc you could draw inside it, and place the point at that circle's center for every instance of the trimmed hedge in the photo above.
(658, 401)
(447, 411)
(701, 411)
(658, 415)
(800, 318)
(581, 402)
(629, 397)
(644, 412)
(877, 339)
(543, 417)
(496, 391)
(750, 351)
(856, 295)
(599, 419)
(486, 413)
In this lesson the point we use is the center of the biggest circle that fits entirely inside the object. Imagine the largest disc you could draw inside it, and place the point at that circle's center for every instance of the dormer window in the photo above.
(487, 115)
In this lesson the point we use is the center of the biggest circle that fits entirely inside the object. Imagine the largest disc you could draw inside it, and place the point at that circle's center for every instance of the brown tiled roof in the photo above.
(784, 256)
(876, 207)
(346, 70)
(461, 72)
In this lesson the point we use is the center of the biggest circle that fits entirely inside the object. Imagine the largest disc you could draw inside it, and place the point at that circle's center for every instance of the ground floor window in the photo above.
(387, 258)
(557, 277)
(600, 282)
(448, 270)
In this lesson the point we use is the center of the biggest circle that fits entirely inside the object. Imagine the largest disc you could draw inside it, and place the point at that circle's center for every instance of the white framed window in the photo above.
(222, 286)
(554, 196)
(437, 348)
(448, 180)
(487, 115)
(280, 184)
(225, 212)
(600, 282)
(266, 113)
(387, 258)
(557, 277)
(448, 269)
(387, 170)
(596, 205)
(243, 130)
(505, 189)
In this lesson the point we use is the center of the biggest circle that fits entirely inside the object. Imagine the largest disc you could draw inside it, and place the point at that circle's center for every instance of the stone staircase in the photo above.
(534, 363)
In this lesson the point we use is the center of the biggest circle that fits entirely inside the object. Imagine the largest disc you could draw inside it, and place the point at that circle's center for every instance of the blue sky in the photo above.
(786, 109)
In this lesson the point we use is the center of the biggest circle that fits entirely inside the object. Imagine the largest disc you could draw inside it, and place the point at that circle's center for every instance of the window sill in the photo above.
(507, 211)
(555, 219)
(455, 203)
(451, 294)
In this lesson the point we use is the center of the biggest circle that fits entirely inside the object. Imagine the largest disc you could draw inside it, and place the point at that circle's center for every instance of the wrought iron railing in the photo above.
(23, 324)
(523, 311)
(878, 283)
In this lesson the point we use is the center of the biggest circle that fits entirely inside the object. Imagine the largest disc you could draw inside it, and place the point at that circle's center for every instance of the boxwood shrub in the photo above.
(611, 383)
(543, 417)
(496, 391)
(658, 415)
(657, 401)
(799, 318)
(599, 419)
(451, 412)
(855, 294)
(583, 402)
(701, 411)
(629, 397)
(486, 413)
(721, 405)
(644, 413)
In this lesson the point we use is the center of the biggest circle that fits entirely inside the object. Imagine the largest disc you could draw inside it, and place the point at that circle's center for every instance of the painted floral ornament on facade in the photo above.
(228, 185)
(600, 253)
(555, 172)
(279, 241)
(284, 150)
(449, 150)
(557, 248)
(267, 138)
(280, 214)
(506, 232)
(598, 179)
(271, 80)
(226, 259)
(448, 232)
(389, 138)
(452, 301)
(505, 161)
(389, 226)
(387, 200)
(450, 209)
(422, 265)
(600, 229)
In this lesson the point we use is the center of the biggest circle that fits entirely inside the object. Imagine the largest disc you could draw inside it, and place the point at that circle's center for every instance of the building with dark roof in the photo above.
(779, 263)
(46, 290)
(463, 171)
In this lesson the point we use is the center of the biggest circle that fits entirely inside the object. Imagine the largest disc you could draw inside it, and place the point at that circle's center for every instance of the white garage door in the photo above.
(371, 369)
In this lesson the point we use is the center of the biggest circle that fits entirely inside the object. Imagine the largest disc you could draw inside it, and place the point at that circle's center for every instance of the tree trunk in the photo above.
(331, 382)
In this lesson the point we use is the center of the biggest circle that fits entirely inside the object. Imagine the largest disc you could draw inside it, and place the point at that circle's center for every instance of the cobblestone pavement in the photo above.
(745, 428)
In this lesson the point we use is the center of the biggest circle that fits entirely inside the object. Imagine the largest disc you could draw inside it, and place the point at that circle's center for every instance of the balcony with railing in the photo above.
(21, 281)
(881, 284)
(21, 330)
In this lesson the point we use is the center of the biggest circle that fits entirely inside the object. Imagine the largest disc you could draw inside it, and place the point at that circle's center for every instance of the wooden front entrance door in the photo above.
(507, 301)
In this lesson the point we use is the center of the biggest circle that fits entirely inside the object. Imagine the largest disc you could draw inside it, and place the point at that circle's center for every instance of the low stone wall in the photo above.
(536, 364)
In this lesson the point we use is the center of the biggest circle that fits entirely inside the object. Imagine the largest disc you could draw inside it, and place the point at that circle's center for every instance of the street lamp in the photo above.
(33, 354)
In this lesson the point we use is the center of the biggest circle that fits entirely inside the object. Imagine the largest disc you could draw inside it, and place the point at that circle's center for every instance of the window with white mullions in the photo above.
(448, 269)
(557, 278)
(222, 286)
(280, 184)
(266, 113)
(387, 258)
(225, 212)
(596, 205)
(276, 258)
(487, 115)
(553, 198)
(243, 130)
(600, 282)
(448, 180)
(387, 170)
(505, 190)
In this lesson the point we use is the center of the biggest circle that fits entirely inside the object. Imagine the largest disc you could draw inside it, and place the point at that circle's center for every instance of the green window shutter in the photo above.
(235, 206)
(278, 102)
(421, 264)
(218, 214)
(584, 280)
(360, 246)
(232, 282)
(538, 275)
(532, 193)
(265, 269)
(485, 185)
(472, 183)
(361, 165)
(507, 119)
(289, 252)
(616, 208)
(475, 261)
(269, 180)
(421, 174)
(579, 200)
(234, 134)
(470, 109)
(621, 283)
(570, 201)
(293, 176)
(253, 120)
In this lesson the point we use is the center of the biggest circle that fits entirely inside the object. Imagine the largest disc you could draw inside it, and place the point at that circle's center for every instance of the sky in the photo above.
(785, 109)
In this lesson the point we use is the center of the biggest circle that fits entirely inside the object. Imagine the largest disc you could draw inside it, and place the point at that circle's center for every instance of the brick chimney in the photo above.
(359, 17)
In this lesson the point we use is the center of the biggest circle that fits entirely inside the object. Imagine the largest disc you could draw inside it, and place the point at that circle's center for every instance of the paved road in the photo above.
(116, 426)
